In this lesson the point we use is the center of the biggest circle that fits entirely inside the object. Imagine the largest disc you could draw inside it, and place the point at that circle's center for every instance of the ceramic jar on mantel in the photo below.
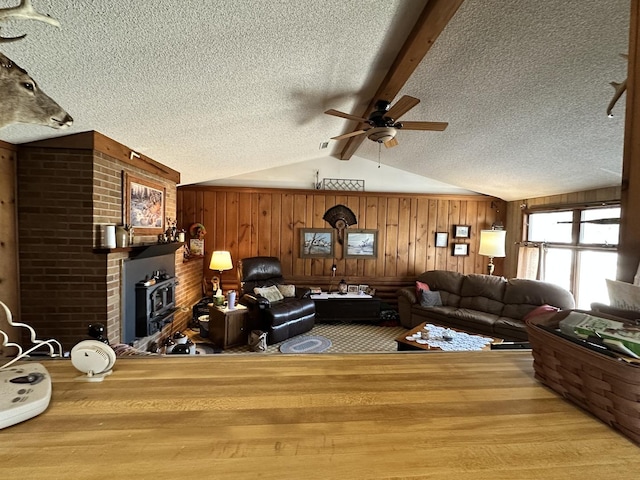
(122, 236)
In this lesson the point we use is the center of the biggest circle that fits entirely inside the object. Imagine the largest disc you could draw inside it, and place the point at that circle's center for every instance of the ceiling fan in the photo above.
(383, 124)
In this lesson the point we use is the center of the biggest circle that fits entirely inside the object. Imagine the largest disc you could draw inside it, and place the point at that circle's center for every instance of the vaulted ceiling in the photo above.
(230, 89)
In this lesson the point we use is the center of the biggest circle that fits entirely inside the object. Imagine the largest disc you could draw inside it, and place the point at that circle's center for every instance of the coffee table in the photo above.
(350, 307)
(405, 345)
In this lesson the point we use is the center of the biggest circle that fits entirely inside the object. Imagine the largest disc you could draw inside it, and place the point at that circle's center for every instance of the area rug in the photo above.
(306, 344)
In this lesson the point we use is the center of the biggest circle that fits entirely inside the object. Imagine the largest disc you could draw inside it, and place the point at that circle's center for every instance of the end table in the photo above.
(228, 327)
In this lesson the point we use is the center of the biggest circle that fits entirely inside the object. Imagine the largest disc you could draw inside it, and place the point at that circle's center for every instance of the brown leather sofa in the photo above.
(281, 319)
(483, 304)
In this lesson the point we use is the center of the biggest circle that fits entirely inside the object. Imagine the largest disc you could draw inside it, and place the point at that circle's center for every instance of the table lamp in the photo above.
(492, 245)
(220, 260)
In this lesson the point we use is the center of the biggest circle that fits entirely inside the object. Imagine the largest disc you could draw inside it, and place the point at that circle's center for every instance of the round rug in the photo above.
(306, 344)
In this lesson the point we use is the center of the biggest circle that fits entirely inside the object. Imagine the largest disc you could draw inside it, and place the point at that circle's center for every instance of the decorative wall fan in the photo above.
(340, 217)
(383, 124)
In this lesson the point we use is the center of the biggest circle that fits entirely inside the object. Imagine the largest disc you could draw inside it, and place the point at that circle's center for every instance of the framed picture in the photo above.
(352, 289)
(460, 249)
(462, 231)
(316, 242)
(442, 239)
(144, 204)
(196, 245)
(361, 244)
(363, 288)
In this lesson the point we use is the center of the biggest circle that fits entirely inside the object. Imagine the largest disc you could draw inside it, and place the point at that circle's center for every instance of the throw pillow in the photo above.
(287, 291)
(270, 293)
(542, 309)
(430, 299)
(421, 286)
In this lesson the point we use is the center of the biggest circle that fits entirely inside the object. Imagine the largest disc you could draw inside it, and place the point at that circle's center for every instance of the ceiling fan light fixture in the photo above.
(381, 134)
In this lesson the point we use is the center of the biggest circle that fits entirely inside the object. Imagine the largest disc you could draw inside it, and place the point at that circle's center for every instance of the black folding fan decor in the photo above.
(340, 217)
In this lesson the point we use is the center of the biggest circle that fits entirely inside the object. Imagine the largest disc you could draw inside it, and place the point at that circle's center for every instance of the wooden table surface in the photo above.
(453, 416)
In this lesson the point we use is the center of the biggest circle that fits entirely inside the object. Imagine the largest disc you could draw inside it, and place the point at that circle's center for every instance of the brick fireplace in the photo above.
(67, 188)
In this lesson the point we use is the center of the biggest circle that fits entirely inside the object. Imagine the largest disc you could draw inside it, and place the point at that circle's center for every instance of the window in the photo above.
(580, 249)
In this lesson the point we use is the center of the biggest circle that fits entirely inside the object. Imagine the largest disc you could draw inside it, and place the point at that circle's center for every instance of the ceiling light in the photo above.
(381, 134)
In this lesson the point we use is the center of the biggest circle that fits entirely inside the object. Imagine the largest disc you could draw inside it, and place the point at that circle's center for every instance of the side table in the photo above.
(228, 327)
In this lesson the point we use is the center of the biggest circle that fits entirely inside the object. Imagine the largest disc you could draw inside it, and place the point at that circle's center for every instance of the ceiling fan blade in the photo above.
(437, 126)
(391, 143)
(349, 135)
(348, 116)
(402, 106)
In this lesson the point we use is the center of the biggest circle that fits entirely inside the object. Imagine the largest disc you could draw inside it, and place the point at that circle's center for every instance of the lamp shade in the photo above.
(220, 260)
(492, 243)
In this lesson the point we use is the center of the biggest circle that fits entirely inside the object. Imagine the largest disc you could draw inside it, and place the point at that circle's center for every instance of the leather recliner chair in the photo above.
(281, 319)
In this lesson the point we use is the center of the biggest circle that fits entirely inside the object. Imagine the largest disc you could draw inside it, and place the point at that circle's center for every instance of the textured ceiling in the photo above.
(226, 88)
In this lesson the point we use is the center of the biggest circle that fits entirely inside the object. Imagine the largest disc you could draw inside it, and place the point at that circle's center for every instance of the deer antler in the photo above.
(25, 11)
(620, 88)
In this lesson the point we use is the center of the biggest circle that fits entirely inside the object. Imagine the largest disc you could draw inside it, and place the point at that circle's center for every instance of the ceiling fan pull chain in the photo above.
(379, 148)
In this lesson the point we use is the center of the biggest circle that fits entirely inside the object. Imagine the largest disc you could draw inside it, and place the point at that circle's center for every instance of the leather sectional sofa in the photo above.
(483, 304)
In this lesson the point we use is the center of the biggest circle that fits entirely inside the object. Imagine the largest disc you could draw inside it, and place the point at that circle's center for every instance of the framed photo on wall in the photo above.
(316, 242)
(361, 244)
(461, 231)
(144, 205)
(442, 239)
(460, 249)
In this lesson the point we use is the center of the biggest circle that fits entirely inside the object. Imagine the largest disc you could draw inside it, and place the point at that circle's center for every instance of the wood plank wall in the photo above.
(516, 210)
(9, 287)
(250, 222)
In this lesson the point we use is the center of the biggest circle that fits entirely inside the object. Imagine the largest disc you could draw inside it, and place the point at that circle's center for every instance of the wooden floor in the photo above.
(452, 416)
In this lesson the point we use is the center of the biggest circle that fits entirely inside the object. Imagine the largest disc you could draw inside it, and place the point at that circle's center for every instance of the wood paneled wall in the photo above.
(9, 287)
(250, 222)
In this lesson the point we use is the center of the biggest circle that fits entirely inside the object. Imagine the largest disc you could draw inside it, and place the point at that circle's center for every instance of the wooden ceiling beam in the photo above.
(434, 18)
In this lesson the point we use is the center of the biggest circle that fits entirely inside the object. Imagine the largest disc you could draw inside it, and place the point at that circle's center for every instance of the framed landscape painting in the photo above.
(460, 249)
(316, 242)
(361, 244)
(144, 204)
(462, 231)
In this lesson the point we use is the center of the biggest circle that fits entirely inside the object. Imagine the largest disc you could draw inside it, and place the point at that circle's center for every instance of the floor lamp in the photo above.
(220, 261)
(492, 245)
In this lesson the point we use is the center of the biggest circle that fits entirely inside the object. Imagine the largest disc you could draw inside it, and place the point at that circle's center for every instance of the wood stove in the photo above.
(155, 304)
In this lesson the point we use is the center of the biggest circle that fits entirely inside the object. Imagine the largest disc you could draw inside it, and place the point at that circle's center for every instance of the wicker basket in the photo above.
(606, 387)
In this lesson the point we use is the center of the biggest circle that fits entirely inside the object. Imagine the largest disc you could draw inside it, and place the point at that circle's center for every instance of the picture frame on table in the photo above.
(460, 249)
(352, 289)
(461, 231)
(361, 244)
(144, 205)
(316, 242)
(442, 239)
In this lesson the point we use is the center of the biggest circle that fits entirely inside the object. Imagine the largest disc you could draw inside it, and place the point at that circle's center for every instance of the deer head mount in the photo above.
(21, 100)
(24, 11)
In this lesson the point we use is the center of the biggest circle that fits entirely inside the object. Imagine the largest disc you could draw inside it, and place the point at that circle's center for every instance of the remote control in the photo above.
(25, 391)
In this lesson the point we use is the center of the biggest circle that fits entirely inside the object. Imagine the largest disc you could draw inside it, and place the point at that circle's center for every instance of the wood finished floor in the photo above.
(450, 416)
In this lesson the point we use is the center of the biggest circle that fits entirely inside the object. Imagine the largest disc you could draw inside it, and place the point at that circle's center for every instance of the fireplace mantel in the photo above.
(144, 250)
